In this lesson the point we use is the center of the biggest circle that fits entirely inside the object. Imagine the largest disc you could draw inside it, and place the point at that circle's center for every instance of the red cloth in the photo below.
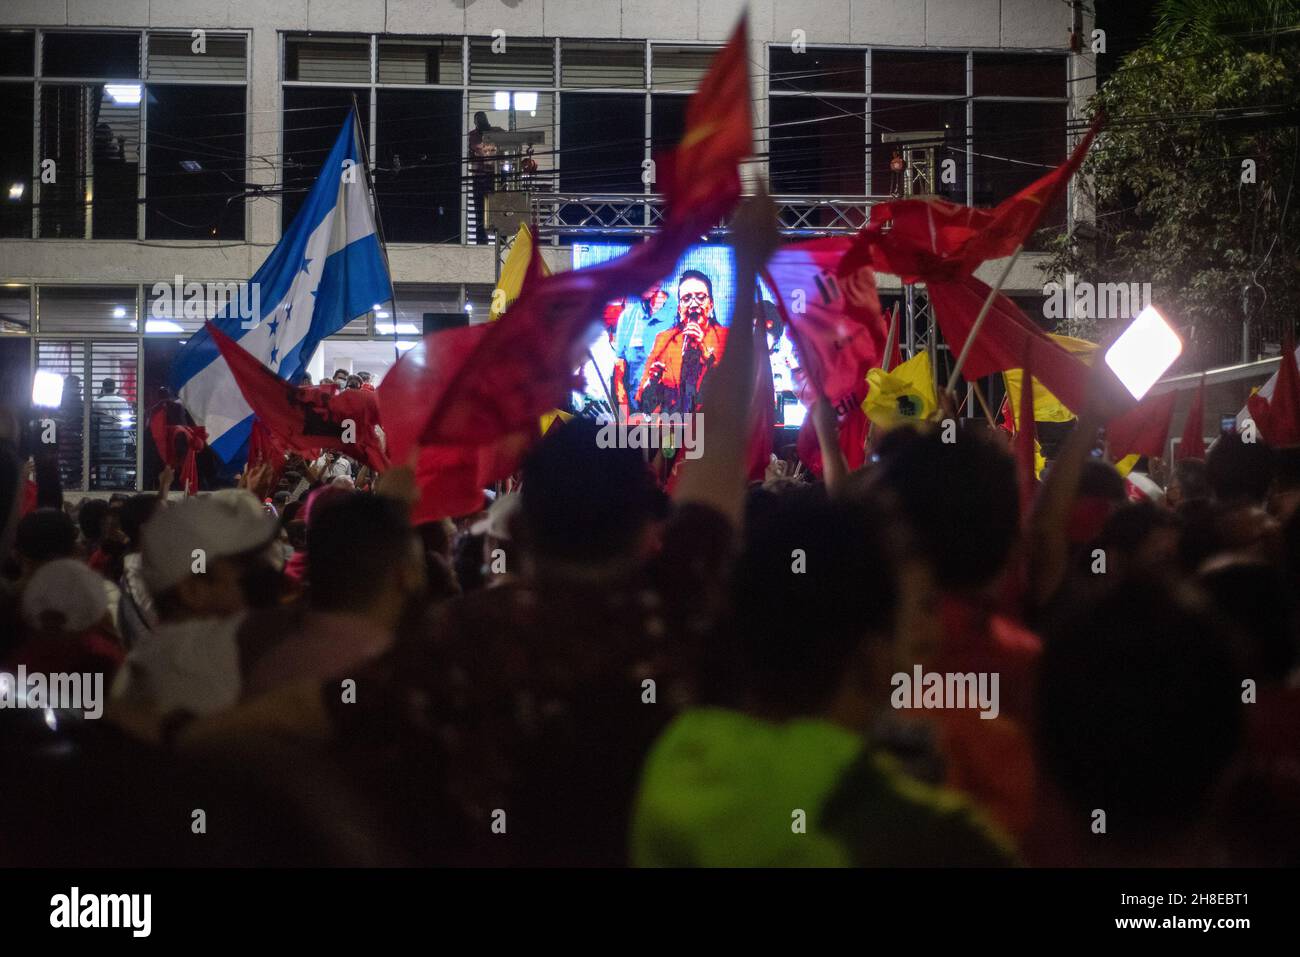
(93, 650)
(978, 639)
(170, 438)
(1278, 418)
(308, 417)
(498, 381)
(852, 434)
(1143, 429)
(31, 494)
(762, 418)
(1192, 444)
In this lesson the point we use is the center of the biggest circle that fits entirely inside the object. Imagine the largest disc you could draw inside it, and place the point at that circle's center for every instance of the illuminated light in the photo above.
(501, 100)
(51, 721)
(16, 191)
(381, 314)
(162, 325)
(47, 389)
(401, 329)
(469, 307)
(526, 101)
(124, 94)
(404, 346)
(1146, 349)
(191, 166)
(119, 312)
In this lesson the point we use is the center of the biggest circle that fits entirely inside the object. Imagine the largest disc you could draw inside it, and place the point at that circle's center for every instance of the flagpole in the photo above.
(888, 358)
(979, 320)
(379, 221)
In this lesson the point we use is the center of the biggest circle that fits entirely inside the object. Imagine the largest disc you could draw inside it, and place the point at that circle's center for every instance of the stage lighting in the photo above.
(47, 389)
(1140, 356)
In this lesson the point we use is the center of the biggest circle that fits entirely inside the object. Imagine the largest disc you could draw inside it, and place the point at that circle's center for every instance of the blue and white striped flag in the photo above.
(327, 270)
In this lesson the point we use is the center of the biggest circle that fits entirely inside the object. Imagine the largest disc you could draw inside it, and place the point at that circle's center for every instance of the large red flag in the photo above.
(524, 364)
(1278, 417)
(305, 418)
(1192, 444)
(1006, 335)
(178, 442)
(930, 239)
(1143, 429)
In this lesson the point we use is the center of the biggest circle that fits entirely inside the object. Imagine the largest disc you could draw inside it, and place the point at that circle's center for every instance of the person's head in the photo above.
(481, 122)
(1239, 472)
(365, 377)
(91, 516)
(1284, 496)
(1189, 482)
(341, 377)
(1139, 710)
(43, 535)
(64, 597)
(586, 505)
(137, 510)
(353, 382)
(1256, 598)
(107, 387)
(694, 297)
(1141, 538)
(815, 597)
(959, 499)
(208, 556)
(304, 379)
(363, 557)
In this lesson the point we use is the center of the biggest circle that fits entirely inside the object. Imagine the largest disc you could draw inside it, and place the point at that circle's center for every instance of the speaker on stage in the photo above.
(442, 321)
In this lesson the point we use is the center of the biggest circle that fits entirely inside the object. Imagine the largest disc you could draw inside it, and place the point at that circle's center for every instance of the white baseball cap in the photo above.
(225, 523)
(65, 594)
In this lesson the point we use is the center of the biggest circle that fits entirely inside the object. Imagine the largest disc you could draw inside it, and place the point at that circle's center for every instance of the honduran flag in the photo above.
(327, 270)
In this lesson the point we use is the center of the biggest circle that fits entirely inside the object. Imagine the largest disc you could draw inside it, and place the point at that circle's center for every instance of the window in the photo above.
(817, 146)
(324, 60)
(417, 158)
(180, 57)
(86, 309)
(602, 65)
(420, 61)
(604, 142)
(67, 359)
(1016, 143)
(522, 63)
(17, 53)
(16, 159)
(1017, 74)
(15, 308)
(114, 426)
(313, 117)
(818, 70)
(911, 71)
(94, 55)
(929, 136)
(194, 183)
(679, 67)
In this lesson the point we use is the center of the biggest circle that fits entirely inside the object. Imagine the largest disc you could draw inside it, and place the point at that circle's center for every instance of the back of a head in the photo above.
(137, 510)
(1100, 479)
(815, 578)
(582, 503)
(1239, 472)
(960, 500)
(46, 534)
(353, 542)
(1193, 479)
(1257, 600)
(90, 517)
(1139, 707)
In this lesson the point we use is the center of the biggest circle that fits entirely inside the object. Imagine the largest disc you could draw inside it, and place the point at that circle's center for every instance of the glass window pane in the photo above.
(114, 428)
(15, 372)
(17, 53)
(602, 65)
(172, 57)
(327, 61)
(604, 142)
(494, 168)
(194, 181)
(679, 67)
(67, 359)
(1018, 74)
(85, 309)
(15, 308)
(1015, 143)
(92, 132)
(522, 63)
(420, 61)
(16, 160)
(818, 146)
(312, 120)
(169, 311)
(925, 134)
(478, 301)
(95, 55)
(907, 71)
(414, 301)
(417, 157)
(818, 69)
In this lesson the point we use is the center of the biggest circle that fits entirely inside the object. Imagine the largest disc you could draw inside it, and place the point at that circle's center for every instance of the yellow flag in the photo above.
(548, 419)
(1047, 407)
(512, 273)
(1125, 465)
(902, 396)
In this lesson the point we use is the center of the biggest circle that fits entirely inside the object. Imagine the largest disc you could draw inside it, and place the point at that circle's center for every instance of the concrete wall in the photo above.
(1016, 24)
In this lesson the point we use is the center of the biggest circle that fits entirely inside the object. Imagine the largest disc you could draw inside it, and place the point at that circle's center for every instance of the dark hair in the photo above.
(1131, 524)
(1192, 478)
(46, 534)
(1099, 479)
(1139, 706)
(696, 274)
(352, 542)
(91, 514)
(583, 503)
(107, 387)
(798, 626)
(481, 121)
(1256, 598)
(354, 382)
(1239, 472)
(1286, 468)
(137, 510)
(959, 498)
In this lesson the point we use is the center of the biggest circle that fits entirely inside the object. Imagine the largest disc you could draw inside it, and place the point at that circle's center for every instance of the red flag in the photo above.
(1026, 434)
(930, 239)
(762, 417)
(305, 418)
(1192, 444)
(1143, 429)
(1278, 417)
(179, 443)
(1004, 339)
(523, 365)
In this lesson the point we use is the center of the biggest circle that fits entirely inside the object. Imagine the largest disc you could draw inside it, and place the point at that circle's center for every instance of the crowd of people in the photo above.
(595, 672)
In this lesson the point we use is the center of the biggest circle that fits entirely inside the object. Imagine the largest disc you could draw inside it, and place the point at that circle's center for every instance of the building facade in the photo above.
(155, 149)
